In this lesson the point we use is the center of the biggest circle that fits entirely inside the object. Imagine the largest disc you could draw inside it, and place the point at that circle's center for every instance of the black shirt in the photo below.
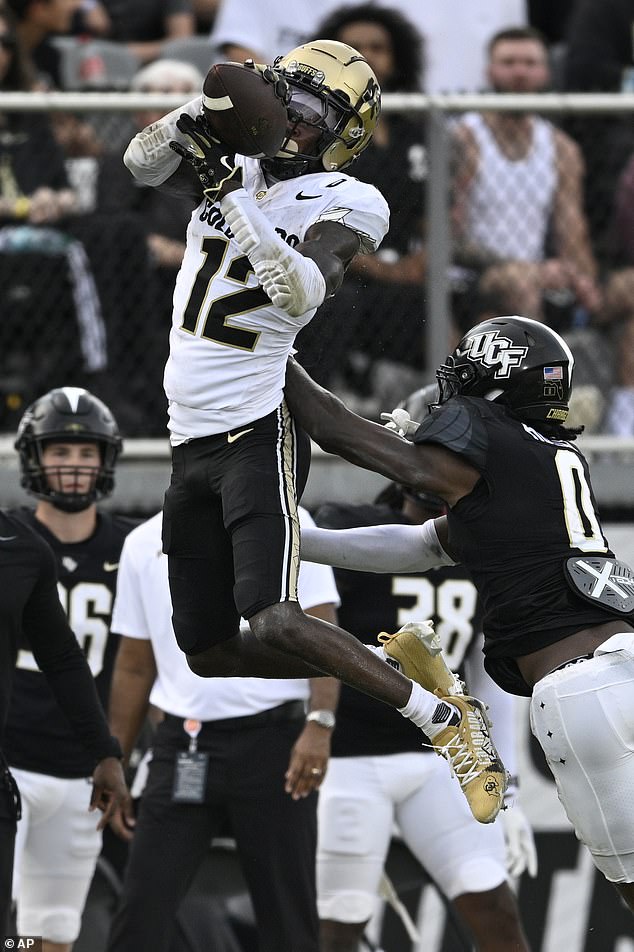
(533, 509)
(30, 608)
(372, 603)
(30, 157)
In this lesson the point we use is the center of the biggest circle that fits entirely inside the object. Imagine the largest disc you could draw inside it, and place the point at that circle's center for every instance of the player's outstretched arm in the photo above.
(338, 430)
(388, 548)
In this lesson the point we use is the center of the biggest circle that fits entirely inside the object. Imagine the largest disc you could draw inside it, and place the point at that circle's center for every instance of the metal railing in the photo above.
(614, 455)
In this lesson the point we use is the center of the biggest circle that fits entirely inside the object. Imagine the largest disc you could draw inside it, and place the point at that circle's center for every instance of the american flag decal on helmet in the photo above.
(553, 373)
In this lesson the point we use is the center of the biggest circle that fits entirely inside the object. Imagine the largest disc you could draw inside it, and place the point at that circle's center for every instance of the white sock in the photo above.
(423, 707)
(380, 651)
(427, 711)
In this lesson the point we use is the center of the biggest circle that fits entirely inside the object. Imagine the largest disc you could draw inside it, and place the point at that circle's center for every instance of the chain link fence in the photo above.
(483, 221)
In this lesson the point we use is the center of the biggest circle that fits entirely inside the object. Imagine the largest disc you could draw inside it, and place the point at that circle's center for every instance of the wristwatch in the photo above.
(323, 718)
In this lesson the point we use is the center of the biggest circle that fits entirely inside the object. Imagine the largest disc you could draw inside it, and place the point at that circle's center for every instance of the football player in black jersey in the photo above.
(380, 775)
(522, 518)
(68, 443)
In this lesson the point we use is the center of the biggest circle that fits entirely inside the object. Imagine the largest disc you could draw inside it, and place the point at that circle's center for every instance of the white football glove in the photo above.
(292, 281)
(521, 854)
(400, 422)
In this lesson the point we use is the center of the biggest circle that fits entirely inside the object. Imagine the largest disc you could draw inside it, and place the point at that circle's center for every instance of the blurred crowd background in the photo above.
(538, 206)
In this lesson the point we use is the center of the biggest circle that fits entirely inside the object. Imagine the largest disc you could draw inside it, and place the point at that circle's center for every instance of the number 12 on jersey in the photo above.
(214, 312)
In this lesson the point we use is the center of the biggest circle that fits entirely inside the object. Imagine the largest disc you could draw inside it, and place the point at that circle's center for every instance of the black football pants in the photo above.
(275, 835)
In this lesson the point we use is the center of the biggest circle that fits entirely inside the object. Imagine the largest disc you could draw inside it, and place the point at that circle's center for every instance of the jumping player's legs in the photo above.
(232, 501)
(231, 533)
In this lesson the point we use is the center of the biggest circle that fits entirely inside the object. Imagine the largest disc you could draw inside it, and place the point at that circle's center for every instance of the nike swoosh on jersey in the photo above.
(7, 538)
(304, 198)
(232, 437)
(110, 566)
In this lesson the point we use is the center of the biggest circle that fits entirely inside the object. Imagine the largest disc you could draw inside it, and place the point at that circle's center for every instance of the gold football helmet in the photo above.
(335, 92)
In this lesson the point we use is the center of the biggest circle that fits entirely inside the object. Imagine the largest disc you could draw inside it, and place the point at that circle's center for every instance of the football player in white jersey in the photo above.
(268, 240)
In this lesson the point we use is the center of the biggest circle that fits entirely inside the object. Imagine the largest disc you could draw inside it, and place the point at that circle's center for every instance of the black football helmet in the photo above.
(65, 415)
(334, 90)
(515, 361)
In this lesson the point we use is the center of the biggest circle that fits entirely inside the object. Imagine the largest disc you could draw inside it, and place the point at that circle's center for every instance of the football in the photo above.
(243, 110)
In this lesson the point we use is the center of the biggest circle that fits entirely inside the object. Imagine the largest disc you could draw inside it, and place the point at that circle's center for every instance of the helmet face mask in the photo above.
(515, 361)
(68, 415)
(333, 91)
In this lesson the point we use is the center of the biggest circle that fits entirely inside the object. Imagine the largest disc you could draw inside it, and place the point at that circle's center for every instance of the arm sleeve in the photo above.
(389, 548)
(62, 661)
(316, 583)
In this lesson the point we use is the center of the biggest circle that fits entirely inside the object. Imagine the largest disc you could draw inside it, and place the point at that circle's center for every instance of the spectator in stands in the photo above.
(262, 761)
(619, 318)
(37, 22)
(164, 215)
(518, 195)
(52, 328)
(136, 240)
(599, 41)
(263, 30)
(205, 12)
(551, 19)
(371, 334)
(144, 25)
(600, 58)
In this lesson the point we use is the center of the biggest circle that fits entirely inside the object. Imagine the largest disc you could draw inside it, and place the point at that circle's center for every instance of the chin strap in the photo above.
(292, 281)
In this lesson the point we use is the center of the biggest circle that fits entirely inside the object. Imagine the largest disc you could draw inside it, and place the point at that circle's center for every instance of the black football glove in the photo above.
(206, 155)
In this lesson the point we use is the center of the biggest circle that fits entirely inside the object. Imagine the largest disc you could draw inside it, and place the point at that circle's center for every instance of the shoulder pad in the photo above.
(458, 426)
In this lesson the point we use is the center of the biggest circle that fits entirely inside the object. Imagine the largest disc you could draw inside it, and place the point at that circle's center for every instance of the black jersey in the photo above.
(371, 603)
(38, 736)
(30, 607)
(533, 509)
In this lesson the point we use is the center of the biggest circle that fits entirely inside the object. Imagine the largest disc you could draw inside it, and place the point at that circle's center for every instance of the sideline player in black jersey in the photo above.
(522, 518)
(68, 443)
(30, 608)
(379, 774)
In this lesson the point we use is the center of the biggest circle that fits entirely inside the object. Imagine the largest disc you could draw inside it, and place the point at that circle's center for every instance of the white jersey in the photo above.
(228, 343)
(511, 201)
(143, 610)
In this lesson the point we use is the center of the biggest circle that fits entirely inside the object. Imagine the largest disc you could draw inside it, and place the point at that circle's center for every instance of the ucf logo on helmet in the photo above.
(492, 349)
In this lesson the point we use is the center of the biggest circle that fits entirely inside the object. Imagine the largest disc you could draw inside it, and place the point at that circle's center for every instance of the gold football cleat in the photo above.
(472, 757)
(417, 649)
